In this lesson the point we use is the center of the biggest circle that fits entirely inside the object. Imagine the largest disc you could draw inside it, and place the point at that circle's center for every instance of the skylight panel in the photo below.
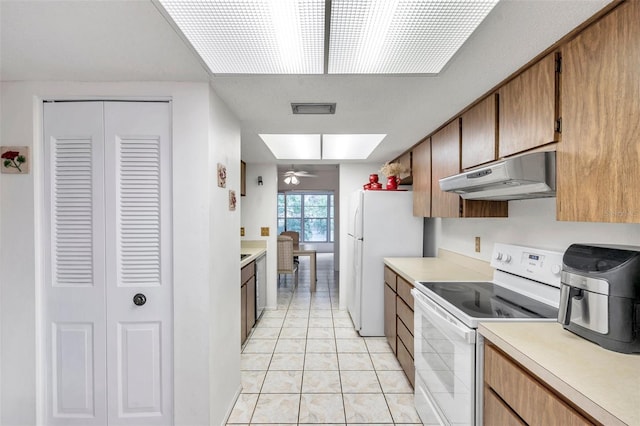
(349, 146)
(293, 147)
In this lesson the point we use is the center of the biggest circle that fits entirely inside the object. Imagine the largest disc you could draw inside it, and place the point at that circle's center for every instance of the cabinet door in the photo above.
(251, 303)
(524, 394)
(479, 133)
(243, 313)
(405, 160)
(496, 412)
(598, 158)
(390, 316)
(243, 178)
(422, 179)
(528, 109)
(445, 160)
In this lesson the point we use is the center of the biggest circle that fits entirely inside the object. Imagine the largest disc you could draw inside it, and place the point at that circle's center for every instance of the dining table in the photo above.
(305, 250)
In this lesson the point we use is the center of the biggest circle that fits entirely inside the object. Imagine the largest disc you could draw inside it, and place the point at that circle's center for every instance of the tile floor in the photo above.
(305, 364)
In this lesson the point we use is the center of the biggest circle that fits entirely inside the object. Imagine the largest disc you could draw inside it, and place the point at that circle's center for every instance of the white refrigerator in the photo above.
(381, 224)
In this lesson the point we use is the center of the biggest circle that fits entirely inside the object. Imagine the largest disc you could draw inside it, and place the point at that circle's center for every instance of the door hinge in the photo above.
(559, 64)
(558, 128)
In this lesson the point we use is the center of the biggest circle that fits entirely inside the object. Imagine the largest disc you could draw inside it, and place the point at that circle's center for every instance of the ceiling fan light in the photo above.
(287, 180)
(295, 180)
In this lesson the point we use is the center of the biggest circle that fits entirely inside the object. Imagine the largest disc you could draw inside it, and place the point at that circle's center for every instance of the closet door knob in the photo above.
(139, 299)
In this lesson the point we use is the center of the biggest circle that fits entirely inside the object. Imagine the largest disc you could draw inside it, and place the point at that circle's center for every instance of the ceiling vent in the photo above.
(313, 108)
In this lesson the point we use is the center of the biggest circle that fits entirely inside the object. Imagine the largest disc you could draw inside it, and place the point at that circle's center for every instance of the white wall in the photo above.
(224, 278)
(195, 234)
(352, 177)
(532, 223)
(259, 208)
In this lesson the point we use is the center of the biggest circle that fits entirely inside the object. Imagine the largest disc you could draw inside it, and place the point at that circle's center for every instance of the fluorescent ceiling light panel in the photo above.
(349, 147)
(254, 36)
(293, 147)
(400, 36)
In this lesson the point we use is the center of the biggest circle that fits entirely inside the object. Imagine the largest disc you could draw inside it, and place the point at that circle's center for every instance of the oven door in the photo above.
(445, 361)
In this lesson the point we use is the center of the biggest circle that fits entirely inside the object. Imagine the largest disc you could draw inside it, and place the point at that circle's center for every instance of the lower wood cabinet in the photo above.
(512, 396)
(398, 320)
(247, 300)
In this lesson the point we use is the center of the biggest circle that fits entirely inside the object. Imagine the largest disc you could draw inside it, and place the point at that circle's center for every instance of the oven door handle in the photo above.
(442, 317)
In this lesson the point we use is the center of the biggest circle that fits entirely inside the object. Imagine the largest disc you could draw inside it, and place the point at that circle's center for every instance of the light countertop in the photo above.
(448, 266)
(605, 384)
(254, 249)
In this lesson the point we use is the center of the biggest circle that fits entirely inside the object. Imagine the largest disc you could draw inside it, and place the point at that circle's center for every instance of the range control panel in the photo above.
(536, 264)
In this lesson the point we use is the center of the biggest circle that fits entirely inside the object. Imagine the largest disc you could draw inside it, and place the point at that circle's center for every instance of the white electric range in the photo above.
(448, 349)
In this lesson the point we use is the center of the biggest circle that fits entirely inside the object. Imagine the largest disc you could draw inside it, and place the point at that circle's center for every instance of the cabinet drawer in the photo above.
(247, 272)
(529, 398)
(390, 318)
(406, 336)
(406, 361)
(496, 412)
(390, 277)
(405, 313)
(404, 291)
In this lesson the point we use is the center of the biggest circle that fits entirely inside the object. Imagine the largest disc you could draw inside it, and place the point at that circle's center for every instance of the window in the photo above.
(311, 214)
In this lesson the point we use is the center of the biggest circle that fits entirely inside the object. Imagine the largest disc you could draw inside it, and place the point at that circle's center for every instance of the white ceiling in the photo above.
(115, 40)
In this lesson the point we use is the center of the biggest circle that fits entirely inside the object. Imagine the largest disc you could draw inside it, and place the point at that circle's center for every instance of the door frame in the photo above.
(40, 239)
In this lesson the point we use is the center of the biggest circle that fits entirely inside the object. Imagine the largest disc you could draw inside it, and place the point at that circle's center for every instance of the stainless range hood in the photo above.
(527, 176)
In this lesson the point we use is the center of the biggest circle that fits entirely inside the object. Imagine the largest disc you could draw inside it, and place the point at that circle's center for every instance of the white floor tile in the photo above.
(321, 408)
(252, 381)
(351, 345)
(282, 382)
(357, 362)
(359, 382)
(327, 361)
(290, 346)
(254, 361)
(366, 408)
(277, 408)
(321, 382)
(243, 409)
(402, 408)
(287, 361)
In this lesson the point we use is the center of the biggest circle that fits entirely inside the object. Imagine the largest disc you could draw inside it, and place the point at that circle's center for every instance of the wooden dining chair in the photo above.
(286, 265)
(296, 242)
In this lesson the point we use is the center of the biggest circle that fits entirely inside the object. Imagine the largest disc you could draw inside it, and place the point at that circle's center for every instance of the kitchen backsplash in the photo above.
(532, 223)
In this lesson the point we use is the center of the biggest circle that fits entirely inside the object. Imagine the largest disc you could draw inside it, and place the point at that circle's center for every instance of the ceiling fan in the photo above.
(291, 177)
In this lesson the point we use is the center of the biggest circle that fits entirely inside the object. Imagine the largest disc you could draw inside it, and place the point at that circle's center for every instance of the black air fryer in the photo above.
(600, 295)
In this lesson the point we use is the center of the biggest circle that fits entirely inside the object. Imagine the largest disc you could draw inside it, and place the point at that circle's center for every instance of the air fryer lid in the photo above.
(619, 265)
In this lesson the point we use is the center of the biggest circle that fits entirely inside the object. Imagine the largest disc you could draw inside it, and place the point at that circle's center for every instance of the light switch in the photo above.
(264, 231)
(242, 231)
(477, 244)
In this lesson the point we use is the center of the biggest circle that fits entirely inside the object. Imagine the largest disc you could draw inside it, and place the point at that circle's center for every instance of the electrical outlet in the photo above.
(477, 244)
(242, 231)
(264, 231)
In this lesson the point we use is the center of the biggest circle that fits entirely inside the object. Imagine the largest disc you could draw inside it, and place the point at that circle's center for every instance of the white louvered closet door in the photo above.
(108, 360)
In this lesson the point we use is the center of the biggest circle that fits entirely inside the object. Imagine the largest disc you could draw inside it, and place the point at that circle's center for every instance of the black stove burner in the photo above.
(488, 300)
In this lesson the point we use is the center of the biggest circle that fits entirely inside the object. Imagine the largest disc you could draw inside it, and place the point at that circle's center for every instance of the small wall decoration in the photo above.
(232, 200)
(222, 175)
(15, 159)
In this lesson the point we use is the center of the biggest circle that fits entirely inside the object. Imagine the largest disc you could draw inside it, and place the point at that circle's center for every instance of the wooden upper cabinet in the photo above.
(528, 109)
(243, 178)
(422, 179)
(405, 160)
(599, 157)
(445, 160)
(480, 133)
